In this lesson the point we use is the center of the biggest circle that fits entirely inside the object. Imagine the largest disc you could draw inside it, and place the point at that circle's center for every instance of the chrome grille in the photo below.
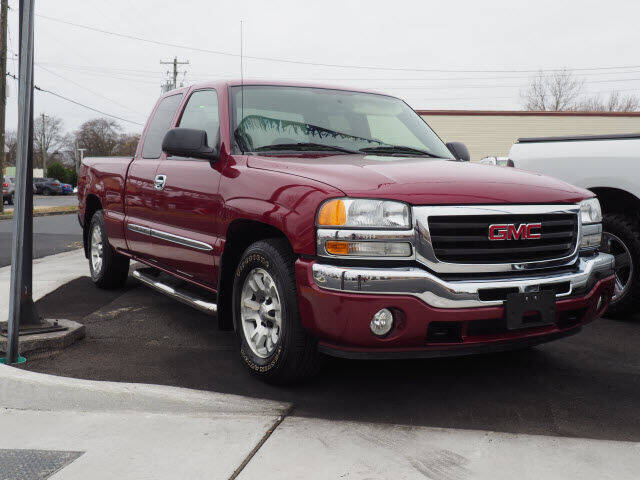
(454, 239)
(464, 238)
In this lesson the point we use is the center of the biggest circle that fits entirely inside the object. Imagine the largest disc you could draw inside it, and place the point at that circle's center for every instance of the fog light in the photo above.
(382, 322)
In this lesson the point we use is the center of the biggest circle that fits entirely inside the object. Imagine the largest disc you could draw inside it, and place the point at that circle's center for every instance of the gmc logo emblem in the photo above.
(524, 231)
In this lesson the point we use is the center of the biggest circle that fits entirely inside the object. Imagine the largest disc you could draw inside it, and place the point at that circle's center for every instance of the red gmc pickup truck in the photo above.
(315, 220)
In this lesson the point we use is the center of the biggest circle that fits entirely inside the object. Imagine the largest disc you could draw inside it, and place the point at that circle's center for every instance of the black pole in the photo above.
(21, 307)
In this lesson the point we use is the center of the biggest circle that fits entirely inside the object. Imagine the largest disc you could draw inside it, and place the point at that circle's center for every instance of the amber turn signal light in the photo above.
(333, 213)
(337, 248)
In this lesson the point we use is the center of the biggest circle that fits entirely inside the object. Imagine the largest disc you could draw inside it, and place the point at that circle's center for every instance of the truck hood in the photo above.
(421, 181)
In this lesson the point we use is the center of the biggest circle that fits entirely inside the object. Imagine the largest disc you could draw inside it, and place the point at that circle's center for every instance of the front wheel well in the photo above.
(240, 234)
(615, 200)
(92, 206)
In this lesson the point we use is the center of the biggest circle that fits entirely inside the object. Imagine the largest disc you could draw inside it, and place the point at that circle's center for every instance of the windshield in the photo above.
(275, 118)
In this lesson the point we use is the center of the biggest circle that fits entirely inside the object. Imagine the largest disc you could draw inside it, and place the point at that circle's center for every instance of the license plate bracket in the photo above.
(530, 309)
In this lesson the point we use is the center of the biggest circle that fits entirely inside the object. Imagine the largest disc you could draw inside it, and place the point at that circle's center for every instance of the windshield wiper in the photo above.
(399, 149)
(304, 146)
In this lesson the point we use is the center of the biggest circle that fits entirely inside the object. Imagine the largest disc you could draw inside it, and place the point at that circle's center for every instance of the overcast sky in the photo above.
(475, 45)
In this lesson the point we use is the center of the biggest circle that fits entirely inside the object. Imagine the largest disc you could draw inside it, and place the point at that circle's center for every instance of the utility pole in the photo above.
(4, 10)
(81, 150)
(175, 64)
(42, 149)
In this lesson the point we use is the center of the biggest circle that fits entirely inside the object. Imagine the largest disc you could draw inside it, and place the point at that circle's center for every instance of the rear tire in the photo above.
(10, 201)
(621, 237)
(274, 345)
(109, 269)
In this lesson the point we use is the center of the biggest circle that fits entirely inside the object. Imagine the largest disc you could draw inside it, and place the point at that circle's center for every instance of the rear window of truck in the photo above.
(160, 123)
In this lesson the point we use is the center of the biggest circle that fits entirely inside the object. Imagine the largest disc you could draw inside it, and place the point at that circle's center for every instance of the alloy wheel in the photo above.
(624, 264)
(97, 249)
(261, 312)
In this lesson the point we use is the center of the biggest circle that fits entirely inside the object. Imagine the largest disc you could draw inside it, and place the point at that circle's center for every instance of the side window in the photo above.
(201, 113)
(160, 123)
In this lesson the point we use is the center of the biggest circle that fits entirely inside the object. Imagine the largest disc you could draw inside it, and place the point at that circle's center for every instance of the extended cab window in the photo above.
(160, 123)
(201, 113)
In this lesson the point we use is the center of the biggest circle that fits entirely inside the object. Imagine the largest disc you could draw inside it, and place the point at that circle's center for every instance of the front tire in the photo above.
(274, 345)
(109, 269)
(621, 238)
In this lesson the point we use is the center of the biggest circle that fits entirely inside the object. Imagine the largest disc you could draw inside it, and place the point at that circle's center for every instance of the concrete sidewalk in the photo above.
(105, 430)
(49, 273)
(130, 431)
(133, 431)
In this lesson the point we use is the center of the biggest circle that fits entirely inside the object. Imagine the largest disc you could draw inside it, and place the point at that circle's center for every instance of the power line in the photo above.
(601, 92)
(132, 78)
(35, 87)
(106, 75)
(454, 87)
(102, 69)
(318, 64)
(154, 74)
(89, 90)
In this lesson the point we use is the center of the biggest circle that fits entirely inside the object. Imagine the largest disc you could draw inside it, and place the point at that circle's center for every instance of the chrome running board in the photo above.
(176, 289)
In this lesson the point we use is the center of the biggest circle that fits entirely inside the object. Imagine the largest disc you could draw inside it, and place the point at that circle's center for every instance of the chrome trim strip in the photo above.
(185, 242)
(325, 234)
(451, 294)
(182, 296)
(425, 255)
(139, 229)
(170, 237)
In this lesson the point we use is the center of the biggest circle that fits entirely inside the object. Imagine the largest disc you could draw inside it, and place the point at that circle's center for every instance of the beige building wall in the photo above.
(492, 133)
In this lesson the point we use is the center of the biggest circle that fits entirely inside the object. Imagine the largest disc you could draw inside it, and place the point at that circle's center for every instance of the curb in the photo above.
(46, 344)
(24, 390)
(43, 213)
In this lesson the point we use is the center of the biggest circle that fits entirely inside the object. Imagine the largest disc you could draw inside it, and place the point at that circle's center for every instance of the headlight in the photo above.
(590, 211)
(364, 213)
(591, 214)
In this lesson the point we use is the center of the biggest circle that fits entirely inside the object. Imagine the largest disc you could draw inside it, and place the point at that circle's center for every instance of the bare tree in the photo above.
(99, 136)
(615, 103)
(558, 91)
(11, 147)
(127, 144)
(67, 151)
(47, 136)
(562, 91)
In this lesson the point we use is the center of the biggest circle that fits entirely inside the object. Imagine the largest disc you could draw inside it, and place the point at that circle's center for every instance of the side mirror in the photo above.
(460, 151)
(188, 142)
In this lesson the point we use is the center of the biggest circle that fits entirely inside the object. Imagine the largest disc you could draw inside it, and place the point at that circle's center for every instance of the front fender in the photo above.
(286, 202)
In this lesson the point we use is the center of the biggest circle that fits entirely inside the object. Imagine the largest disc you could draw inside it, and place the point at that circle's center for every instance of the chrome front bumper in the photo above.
(440, 293)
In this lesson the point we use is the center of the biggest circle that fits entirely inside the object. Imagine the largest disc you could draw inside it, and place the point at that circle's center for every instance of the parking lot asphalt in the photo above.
(587, 385)
(53, 234)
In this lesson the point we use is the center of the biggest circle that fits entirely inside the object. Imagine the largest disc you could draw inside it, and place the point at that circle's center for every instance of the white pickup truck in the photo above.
(608, 165)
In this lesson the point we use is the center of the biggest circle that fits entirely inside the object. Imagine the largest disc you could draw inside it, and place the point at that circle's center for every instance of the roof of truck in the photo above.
(282, 83)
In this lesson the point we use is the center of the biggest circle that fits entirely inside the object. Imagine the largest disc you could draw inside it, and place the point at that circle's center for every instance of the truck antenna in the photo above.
(241, 80)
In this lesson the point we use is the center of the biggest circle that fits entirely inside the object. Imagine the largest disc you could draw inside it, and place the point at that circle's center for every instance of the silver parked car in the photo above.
(8, 190)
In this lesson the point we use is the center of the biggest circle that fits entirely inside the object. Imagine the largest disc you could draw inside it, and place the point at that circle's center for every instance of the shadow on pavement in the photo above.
(587, 385)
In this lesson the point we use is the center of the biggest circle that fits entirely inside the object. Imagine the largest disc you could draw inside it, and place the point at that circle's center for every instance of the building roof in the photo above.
(526, 113)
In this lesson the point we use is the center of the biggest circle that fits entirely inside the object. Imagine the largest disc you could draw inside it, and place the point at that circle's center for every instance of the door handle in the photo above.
(160, 181)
